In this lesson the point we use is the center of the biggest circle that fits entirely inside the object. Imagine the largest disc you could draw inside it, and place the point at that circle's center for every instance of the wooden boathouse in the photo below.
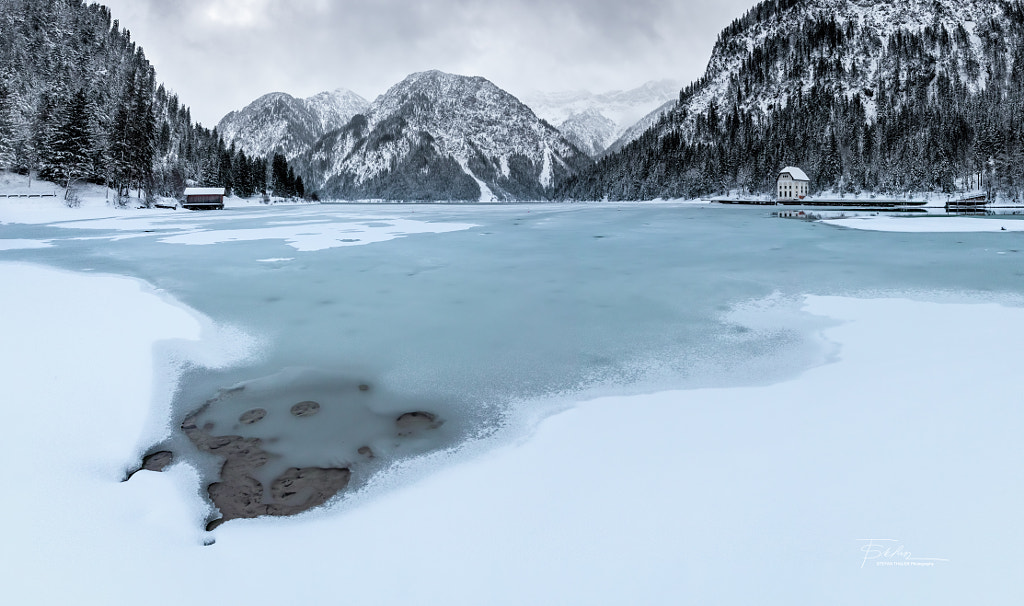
(204, 198)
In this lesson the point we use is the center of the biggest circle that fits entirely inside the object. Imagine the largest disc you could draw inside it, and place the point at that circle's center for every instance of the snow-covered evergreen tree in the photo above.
(71, 147)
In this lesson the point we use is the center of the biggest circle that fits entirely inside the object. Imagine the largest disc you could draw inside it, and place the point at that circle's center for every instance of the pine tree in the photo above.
(225, 173)
(142, 136)
(7, 134)
(41, 139)
(71, 150)
(119, 167)
(279, 175)
(289, 183)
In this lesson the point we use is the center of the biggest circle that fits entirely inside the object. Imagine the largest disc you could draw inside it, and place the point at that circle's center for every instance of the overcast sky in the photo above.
(219, 55)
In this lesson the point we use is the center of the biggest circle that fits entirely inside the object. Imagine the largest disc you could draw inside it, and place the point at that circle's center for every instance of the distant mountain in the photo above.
(633, 132)
(864, 95)
(280, 123)
(589, 130)
(595, 121)
(439, 136)
(335, 108)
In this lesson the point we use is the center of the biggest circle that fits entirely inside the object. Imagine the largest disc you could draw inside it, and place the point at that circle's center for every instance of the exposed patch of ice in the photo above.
(280, 260)
(319, 236)
(20, 244)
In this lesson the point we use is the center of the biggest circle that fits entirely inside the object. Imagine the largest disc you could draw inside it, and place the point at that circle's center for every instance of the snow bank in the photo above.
(747, 495)
(929, 224)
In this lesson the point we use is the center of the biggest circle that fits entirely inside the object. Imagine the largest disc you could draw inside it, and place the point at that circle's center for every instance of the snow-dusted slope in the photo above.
(596, 120)
(589, 130)
(863, 40)
(278, 122)
(335, 108)
(439, 136)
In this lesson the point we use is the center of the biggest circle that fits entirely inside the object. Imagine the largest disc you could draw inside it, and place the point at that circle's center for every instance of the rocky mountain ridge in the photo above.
(439, 136)
(280, 123)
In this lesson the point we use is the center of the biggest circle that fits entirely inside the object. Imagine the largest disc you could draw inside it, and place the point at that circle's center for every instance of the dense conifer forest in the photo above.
(79, 102)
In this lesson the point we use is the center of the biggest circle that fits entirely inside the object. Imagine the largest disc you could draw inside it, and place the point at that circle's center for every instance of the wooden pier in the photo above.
(835, 203)
(968, 205)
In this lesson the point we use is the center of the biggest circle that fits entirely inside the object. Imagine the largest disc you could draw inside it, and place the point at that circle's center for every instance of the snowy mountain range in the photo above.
(440, 136)
(595, 122)
(278, 122)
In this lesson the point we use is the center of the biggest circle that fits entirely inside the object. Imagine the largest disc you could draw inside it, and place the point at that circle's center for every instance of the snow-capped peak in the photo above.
(452, 132)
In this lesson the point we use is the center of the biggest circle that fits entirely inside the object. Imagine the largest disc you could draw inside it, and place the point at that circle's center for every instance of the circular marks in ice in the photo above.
(413, 421)
(238, 494)
(300, 486)
(284, 465)
(252, 416)
(305, 409)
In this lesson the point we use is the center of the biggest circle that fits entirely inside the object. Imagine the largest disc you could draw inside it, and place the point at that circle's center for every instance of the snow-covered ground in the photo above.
(95, 201)
(909, 439)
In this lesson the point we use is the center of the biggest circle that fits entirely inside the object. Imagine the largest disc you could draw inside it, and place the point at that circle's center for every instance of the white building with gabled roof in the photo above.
(793, 184)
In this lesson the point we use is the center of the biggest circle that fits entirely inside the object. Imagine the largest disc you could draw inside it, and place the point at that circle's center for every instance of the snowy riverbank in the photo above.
(739, 495)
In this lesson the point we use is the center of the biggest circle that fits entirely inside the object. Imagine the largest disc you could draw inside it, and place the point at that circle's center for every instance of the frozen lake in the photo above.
(828, 412)
(477, 317)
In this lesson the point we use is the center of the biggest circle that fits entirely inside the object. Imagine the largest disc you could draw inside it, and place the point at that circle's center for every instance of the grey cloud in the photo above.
(305, 46)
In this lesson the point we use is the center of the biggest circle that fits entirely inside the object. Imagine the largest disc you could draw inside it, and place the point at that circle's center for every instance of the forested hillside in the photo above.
(890, 97)
(79, 101)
